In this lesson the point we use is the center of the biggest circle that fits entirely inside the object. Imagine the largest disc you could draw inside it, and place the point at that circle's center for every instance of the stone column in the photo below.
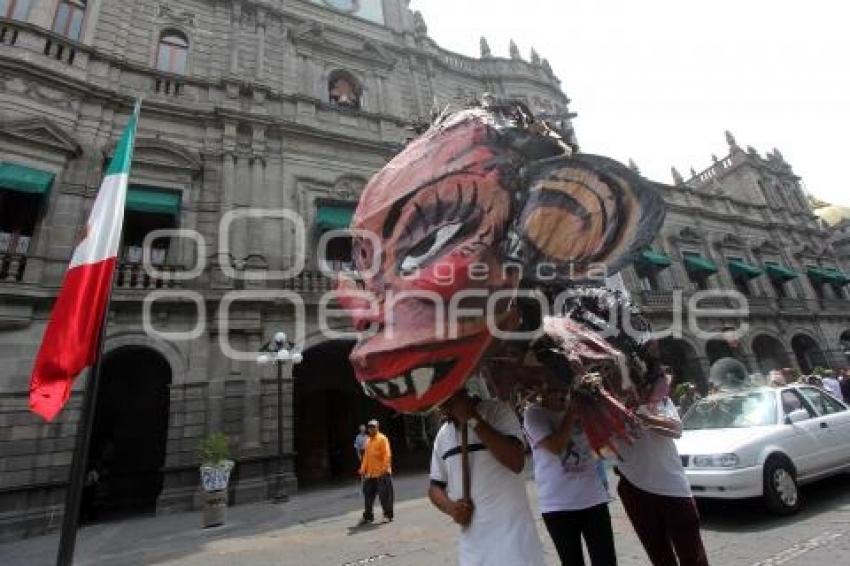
(235, 27)
(261, 44)
(252, 419)
(255, 256)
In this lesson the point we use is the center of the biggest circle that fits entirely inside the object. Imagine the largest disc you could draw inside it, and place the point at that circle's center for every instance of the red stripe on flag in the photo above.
(70, 341)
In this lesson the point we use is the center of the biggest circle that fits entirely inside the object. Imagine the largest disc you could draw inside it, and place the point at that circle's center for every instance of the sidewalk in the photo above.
(314, 527)
(318, 527)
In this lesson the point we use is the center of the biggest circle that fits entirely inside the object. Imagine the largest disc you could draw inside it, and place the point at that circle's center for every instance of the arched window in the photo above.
(15, 9)
(344, 90)
(172, 52)
(69, 18)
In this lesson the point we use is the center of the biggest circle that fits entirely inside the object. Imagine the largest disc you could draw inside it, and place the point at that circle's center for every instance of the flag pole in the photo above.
(73, 497)
(79, 462)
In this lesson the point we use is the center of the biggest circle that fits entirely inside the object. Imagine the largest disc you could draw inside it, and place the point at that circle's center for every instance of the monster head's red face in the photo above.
(438, 209)
(442, 216)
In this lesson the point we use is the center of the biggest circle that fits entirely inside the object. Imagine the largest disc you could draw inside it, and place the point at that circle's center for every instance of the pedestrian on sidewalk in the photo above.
(376, 471)
(497, 526)
(573, 499)
(360, 442)
(832, 386)
(655, 491)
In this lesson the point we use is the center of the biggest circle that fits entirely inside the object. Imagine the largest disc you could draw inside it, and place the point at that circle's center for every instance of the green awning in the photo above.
(24, 179)
(739, 268)
(822, 275)
(333, 218)
(839, 277)
(780, 272)
(654, 259)
(151, 199)
(700, 264)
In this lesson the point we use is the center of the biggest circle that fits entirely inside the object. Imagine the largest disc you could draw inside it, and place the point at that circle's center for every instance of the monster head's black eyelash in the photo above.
(443, 211)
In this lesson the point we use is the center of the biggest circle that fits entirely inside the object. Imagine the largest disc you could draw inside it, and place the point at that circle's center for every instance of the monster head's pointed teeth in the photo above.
(422, 379)
(381, 387)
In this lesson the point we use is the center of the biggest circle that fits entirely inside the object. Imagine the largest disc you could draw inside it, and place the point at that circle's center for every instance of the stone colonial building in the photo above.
(248, 104)
(745, 223)
(291, 105)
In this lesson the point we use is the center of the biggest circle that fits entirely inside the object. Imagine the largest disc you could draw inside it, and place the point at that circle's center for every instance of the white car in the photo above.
(764, 442)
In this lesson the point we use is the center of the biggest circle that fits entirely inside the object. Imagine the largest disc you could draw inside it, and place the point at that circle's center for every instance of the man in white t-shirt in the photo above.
(573, 500)
(497, 527)
(655, 491)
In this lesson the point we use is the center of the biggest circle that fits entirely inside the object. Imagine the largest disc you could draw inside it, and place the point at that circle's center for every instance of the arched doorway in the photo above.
(329, 406)
(769, 353)
(128, 441)
(683, 360)
(809, 354)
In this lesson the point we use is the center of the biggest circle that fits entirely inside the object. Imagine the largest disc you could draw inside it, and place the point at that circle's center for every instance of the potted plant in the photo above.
(216, 465)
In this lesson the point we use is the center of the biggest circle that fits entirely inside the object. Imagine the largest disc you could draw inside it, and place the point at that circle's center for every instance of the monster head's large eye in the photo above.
(429, 247)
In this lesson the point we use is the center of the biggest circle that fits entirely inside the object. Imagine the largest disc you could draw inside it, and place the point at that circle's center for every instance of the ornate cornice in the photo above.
(41, 132)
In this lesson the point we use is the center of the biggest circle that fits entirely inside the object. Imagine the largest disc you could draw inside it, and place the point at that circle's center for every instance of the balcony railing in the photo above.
(657, 298)
(12, 267)
(131, 275)
(787, 304)
(311, 282)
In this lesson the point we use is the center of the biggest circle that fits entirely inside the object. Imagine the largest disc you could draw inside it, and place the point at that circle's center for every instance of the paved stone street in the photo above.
(318, 528)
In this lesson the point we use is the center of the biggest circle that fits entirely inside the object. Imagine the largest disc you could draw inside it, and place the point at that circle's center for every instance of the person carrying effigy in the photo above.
(479, 246)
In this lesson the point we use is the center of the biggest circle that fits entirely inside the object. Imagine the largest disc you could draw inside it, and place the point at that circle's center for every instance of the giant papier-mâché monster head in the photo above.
(488, 199)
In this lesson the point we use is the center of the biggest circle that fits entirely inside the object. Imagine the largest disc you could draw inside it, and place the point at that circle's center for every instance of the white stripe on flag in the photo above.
(103, 229)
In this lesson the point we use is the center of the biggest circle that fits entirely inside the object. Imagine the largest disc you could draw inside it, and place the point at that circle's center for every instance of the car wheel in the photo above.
(781, 493)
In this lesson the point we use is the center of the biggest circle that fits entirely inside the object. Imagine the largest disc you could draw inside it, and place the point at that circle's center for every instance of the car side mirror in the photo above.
(796, 416)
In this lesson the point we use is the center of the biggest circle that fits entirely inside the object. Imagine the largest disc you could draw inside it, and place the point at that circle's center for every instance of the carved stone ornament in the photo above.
(182, 17)
(419, 26)
(485, 49)
(732, 241)
(768, 247)
(688, 234)
(514, 50)
(807, 250)
(348, 188)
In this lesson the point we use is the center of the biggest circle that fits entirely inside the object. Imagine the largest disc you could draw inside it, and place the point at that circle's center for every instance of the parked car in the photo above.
(764, 442)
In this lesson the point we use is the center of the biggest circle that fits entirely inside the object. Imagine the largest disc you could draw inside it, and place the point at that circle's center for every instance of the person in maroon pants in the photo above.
(655, 491)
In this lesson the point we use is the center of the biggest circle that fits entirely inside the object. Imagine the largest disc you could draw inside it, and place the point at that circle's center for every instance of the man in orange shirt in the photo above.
(376, 471)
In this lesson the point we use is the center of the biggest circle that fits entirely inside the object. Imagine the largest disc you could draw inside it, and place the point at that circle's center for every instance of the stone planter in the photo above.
(214, 479)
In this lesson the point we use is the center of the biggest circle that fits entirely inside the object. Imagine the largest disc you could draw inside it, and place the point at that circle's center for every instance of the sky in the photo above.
(659, 81)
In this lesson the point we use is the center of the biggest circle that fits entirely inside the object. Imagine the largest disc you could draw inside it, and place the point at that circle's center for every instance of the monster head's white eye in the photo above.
(429, 247)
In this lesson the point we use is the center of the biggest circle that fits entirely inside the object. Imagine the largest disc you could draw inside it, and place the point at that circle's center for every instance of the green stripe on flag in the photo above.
(123, 155)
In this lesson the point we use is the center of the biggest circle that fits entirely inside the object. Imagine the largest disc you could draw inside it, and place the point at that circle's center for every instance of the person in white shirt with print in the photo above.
(655, 491)
(497, 526)
(573, 499)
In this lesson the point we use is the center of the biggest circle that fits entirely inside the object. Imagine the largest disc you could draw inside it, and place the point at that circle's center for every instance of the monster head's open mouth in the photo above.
(414, 382)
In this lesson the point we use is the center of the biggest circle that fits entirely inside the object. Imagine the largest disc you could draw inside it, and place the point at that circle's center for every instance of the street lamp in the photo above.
(279, 351)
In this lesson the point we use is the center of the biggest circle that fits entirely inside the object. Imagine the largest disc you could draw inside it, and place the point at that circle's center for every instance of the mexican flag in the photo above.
(72, 338)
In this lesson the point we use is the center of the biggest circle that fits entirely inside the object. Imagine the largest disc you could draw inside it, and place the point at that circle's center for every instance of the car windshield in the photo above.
(737, 410)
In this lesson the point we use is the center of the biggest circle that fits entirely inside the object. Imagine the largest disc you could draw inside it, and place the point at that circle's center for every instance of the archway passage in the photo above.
(683, 360)
(809, 354)
(127, 450)
(769, 353)
(329, 406)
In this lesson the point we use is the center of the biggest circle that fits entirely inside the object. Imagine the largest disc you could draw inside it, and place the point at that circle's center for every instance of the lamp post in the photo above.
(279, 351)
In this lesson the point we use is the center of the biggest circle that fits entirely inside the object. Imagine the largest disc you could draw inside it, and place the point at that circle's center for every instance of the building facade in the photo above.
(263, 105)
(745, 224)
